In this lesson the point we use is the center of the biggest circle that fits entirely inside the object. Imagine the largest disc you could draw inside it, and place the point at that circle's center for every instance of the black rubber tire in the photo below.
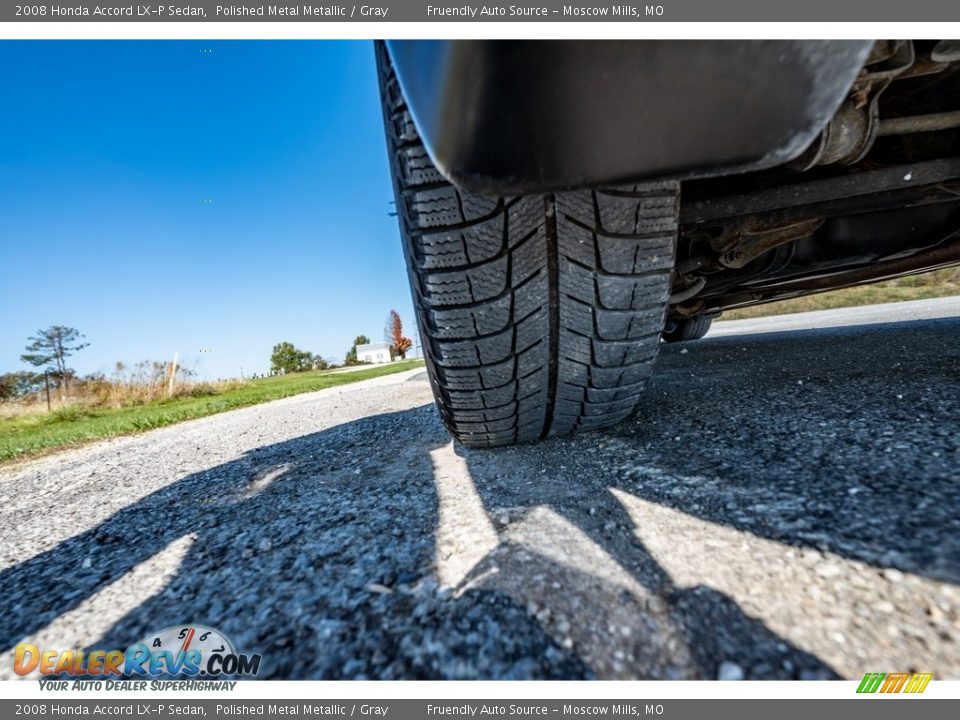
(539, 315)
(687, 329)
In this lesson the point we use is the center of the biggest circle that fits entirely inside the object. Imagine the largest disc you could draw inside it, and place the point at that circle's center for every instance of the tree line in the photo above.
(287, 358)
(49, 350)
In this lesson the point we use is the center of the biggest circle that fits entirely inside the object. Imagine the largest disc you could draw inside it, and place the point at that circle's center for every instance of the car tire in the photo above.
(687, 329)
(539, 315)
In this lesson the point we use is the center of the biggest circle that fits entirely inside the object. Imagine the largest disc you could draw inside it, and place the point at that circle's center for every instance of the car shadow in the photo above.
(341, 554)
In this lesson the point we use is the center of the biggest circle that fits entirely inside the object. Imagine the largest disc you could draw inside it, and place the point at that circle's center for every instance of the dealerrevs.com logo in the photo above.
(185, 650)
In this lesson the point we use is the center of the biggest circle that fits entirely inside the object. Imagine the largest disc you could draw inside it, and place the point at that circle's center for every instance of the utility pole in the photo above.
(46, 384)
(173, 372)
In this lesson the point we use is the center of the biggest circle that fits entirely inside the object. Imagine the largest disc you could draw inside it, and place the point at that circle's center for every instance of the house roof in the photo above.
(373, 347)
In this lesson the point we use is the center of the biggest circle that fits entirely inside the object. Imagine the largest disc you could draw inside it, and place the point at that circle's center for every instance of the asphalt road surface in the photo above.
(785, 504)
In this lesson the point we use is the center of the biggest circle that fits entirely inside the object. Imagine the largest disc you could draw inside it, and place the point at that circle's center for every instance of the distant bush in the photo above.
(204, 389)
(15, 385)
(71, 412)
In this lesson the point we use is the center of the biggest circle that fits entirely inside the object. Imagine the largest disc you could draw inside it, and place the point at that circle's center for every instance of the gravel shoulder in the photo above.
(785, 504)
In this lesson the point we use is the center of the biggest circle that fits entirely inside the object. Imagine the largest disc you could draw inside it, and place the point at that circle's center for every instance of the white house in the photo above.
(374, 353)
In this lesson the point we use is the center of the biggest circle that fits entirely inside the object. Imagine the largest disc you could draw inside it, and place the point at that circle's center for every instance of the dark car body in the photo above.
(509, 117)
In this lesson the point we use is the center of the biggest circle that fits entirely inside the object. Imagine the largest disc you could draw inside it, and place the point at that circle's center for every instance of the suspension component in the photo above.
(848, 137)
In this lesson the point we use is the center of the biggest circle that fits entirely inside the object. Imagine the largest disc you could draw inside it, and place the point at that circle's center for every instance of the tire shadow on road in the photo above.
(569, 551)
(318, 553)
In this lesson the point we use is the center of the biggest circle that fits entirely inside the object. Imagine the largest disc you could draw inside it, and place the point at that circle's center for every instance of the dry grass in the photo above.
(141, 384)
(101, 392)
(938, 283)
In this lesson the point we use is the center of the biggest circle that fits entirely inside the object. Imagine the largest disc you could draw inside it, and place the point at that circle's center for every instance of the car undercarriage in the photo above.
(876, 196)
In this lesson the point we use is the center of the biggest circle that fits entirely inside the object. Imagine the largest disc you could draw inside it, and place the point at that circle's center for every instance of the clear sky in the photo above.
(162, 198)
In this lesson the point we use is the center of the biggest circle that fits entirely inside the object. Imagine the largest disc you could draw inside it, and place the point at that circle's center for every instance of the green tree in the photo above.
(49, 350)
(286, 358)
(351, 357)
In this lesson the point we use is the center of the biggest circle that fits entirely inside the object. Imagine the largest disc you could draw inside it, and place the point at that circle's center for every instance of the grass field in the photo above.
(35, 433)
(939, 283)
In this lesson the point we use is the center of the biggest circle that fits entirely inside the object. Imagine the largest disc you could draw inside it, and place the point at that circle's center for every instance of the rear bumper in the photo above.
(510, 117)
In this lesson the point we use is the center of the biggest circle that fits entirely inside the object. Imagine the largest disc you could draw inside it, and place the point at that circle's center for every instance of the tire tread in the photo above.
(539, 315)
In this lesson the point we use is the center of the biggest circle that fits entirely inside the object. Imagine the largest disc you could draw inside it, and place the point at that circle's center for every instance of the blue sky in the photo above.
(108, 152)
